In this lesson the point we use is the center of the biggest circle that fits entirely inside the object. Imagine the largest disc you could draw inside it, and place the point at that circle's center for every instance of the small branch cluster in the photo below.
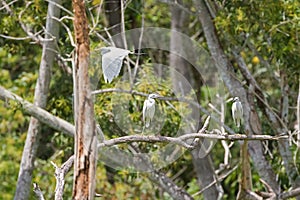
(60, 173)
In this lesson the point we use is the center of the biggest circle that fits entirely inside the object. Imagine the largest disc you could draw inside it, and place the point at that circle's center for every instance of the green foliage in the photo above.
(272, 28)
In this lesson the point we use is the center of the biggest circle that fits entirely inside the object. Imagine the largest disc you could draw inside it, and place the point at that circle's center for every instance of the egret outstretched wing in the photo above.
(112, 59)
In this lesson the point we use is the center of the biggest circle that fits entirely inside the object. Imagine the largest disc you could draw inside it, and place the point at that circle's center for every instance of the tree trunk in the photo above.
(169, 186)
(40, 100)
(113, 13)
(205, 174)
(85, 128)
(251, 124)
(203, 166)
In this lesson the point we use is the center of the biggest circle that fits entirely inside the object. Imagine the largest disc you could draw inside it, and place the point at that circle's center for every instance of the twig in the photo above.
(119, 90)
(95, 23)
(224, 143)
(144, 138)
(268, 187)
(15, 38)
(6, 5)
(38, 191)
(67, 29)
(216, 181)
(61, 7)
(125, 41)
(110, 37)
(139, 47)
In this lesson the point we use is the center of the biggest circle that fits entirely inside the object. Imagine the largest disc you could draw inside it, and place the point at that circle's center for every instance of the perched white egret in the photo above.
(149, 109)
(237, 111)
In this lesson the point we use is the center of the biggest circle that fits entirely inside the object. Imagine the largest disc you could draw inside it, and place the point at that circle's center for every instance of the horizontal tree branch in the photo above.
(181, 99)
(66, 127)
(39, 113)
(182, 140)
(290, 194)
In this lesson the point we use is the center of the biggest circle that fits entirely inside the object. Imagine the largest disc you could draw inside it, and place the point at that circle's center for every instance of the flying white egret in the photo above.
(237, 111)
(112, 59)
(149, 109)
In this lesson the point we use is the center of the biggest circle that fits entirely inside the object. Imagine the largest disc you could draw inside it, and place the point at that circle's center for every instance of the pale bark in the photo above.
(38, 113)
(252, 125)
(38, 192)
(203, 166)
(113, 14)
(60, 173)
(169, 186)
(85, 127)
(40, 100)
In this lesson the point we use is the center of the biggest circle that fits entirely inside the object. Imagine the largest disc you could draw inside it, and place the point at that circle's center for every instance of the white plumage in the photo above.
(112, 59)
(237, 111)
(149, 109)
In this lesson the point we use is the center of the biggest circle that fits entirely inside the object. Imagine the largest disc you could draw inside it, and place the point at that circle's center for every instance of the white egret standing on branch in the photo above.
(237, 111)
(149, 109)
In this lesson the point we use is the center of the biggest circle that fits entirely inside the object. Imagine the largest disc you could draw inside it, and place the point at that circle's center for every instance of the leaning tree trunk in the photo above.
(85, 129)
(40, 100)
(251, 120)
(113, 14)
(203, 166)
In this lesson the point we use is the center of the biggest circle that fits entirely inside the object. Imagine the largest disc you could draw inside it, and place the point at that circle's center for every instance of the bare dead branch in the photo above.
(290, 194)
(14, 38)
(220, 178)
(6, 5)
(61, 7)
(184, 100)
(30, 35)
(205, 126)
(39, 113)
(64, 126)
(133, 92)
(60, 173)
(181, 140)
(136, 66)
(268, 187)
(38, 192)
(67, 29)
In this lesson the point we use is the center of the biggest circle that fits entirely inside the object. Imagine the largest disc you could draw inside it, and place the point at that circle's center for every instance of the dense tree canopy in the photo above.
(199, 55)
